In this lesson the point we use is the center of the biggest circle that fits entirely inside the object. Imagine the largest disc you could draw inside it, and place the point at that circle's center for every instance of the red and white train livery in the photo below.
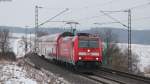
(77, 49)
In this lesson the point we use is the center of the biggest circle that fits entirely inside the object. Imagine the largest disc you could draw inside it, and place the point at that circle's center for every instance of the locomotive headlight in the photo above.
(80, 58)
(96, 58)
(88, 50)
(82, 53)
(95, 54)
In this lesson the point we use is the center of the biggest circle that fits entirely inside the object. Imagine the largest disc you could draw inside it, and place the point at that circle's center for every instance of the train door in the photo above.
(72, 52)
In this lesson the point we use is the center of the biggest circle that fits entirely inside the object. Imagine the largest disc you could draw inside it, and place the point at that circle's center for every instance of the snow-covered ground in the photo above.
(143, 52)
(12, 74)
(21, 73)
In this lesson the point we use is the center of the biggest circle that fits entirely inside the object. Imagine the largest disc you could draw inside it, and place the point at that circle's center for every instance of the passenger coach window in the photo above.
(88, 44)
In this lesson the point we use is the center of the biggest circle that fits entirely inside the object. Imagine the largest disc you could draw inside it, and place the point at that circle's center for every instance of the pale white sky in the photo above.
(86, 12)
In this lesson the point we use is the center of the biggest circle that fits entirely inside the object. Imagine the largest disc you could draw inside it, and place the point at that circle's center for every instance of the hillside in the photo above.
(138, 36)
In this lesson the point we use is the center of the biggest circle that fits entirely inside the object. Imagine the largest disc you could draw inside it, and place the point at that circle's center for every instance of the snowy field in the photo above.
(143, 51)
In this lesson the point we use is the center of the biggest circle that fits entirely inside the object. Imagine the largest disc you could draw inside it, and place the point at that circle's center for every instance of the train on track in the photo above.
(82, 49)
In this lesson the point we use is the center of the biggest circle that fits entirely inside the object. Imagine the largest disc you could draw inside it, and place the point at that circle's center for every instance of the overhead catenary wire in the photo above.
(133, 20)
(102, 4)
(99, 5)
(113, 18)
(92, 17)
(112, 1)
(134, 7)
(139, 6)
(53, 17)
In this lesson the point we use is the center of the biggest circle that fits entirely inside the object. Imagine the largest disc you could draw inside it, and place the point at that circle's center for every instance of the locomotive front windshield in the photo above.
(88, 44)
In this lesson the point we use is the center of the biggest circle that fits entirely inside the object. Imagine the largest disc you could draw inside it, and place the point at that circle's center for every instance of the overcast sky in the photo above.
(87, 12)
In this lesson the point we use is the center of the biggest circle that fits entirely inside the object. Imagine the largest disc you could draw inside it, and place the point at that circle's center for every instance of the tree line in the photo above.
(113, 55)
(5, 51)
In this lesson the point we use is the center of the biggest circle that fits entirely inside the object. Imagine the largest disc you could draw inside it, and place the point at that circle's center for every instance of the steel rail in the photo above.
(111, 79)
(126, 74)
(94, 79)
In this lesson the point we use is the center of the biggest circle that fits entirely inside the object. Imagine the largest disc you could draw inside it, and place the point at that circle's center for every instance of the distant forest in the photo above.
(138, 36)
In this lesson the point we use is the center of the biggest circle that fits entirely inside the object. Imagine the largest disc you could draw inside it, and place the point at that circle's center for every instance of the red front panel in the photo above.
(88, 53)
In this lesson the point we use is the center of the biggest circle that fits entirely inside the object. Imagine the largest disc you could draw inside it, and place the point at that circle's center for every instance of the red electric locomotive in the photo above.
(81, 49)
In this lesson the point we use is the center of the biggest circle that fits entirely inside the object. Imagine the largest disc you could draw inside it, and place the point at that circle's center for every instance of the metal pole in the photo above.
(49, 20)
(30, 41)
(36, 28)
(129, 42)
(26, 44)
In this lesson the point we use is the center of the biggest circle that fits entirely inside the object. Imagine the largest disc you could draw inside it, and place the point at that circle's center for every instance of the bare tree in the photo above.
(4, 40)
(115, 56)
(24, 44)
(5, 52)
(120, 60)
(147, 69)
(110, 47)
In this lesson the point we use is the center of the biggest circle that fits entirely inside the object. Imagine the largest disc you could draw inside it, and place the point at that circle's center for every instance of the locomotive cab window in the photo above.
(93, 44)
(88, 44)
(83, 44)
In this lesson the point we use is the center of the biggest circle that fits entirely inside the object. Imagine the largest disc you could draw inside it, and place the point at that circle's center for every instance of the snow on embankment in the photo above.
(143, 51)
(22, 73)
(12, 74)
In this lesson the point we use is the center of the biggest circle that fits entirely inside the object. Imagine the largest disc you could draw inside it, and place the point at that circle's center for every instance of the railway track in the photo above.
(129, 75)
(97, 79)
(109, 76)
(102, 79)
(129, 78)
(60, 71)
(100, 76)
